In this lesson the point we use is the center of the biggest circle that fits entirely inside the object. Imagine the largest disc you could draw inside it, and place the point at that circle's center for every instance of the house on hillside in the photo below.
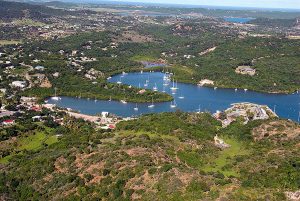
(245, 70)
(8, 122)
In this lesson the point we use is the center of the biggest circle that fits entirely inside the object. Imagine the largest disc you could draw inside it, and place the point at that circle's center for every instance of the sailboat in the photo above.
(155, 88)
(164, 91)
(173, 87)
(173, 104)
(152, 105)
(55, 97)
(199, 110)
(136, 107)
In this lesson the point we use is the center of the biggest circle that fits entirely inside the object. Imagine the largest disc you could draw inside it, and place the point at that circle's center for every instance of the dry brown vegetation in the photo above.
(277, 130)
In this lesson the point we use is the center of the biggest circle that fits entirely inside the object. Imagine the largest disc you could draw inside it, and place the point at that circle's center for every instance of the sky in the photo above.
(294, 4)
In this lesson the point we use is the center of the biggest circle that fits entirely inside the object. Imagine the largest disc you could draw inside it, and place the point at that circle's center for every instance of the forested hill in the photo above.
(17, 10)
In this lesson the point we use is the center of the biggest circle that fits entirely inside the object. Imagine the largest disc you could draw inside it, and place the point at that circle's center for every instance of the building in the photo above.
(40, 68)
(205, 82)
(245, 70)
(18, 84)
(8, 122)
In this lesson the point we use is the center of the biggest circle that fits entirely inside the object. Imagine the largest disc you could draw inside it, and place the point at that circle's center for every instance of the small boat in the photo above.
(136, 107)
(123, 101)
(152, 105)
(146, 84)
(123, 73)
(215, 88)
(108, 78)
(142, 72)
(109, 98)
(235, 89)
(245, 90)
(181, 97)
(119, 82)
(173, 105)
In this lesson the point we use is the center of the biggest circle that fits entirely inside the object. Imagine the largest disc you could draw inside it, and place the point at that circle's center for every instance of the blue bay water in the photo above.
(195, 97)
(237, 19)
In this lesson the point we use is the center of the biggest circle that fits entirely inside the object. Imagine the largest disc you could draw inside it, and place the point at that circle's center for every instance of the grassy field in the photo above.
(28, 22)
(31, 143)
(225, 158)
(9, 42)
(143, 58)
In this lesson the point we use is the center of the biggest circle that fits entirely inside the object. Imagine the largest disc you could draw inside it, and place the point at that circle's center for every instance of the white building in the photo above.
(19, 84)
